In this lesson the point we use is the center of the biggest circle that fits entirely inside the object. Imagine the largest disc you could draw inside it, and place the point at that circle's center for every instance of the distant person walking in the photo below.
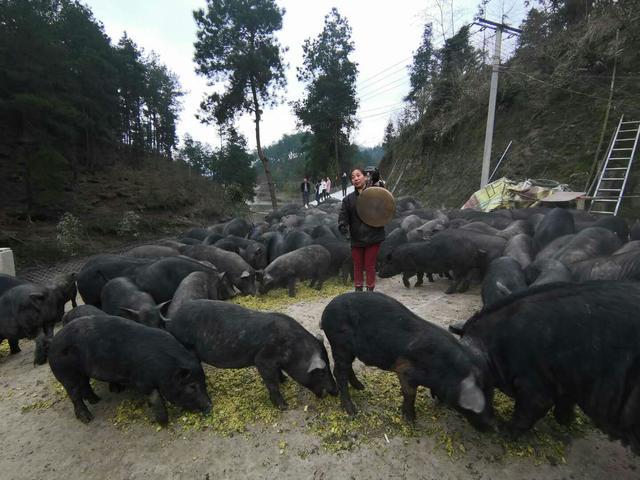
(345, 184)
(318, 192)
(323, 188)
(305, 188)
(328, 190)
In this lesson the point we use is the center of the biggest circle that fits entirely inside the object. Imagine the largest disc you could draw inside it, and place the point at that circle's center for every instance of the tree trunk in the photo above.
(27, 181)
(336, 146)
(263, 159)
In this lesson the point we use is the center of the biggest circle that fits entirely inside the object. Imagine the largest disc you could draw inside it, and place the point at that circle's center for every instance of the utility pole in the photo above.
(493, 93)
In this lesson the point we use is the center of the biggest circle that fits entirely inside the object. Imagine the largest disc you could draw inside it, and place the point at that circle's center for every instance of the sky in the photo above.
(385, 34)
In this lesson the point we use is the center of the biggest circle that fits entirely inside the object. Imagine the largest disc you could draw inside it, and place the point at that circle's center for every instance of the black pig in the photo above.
(123, 298)
(383, 333)
(563, 344)
(310, 262)
(226, 335)
(125, 353)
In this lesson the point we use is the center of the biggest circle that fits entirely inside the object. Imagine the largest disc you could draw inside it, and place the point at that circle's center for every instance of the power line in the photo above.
(402, 70)
(385, 106)
(392, 86)
(382, 113)
(382, 71)
(550, 84)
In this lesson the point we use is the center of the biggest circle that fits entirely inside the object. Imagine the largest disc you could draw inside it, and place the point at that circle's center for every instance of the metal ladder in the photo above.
(616, 168)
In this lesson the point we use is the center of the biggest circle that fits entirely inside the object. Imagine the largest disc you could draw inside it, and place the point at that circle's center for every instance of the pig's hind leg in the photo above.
(14, 347)
(564, 411)
(343, 372)
(353, 380)
(531, 405)
(76, 385)
(88, 394)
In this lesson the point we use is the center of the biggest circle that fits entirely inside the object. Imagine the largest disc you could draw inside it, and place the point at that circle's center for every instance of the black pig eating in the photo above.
(310, 262)
(564, 344)
(25, 310)
(125, 353)
(442, 253)
(383, 333)
(123, 298)
(226, 335)
(43, 341)
(504, 277)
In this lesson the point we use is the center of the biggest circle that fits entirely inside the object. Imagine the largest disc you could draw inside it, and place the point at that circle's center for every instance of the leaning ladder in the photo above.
(616, 168)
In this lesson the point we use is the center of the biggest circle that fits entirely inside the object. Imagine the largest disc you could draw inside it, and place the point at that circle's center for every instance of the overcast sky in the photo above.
(385, 34)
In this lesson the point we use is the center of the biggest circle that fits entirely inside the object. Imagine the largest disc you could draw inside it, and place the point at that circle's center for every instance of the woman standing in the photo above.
(365, 239)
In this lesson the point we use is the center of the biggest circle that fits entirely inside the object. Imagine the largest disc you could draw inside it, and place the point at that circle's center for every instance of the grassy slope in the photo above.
(166, 196)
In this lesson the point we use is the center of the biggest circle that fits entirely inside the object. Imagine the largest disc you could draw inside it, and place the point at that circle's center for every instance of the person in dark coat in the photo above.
(305, 188)
(365, 239)
(345, 184)
(318, 192)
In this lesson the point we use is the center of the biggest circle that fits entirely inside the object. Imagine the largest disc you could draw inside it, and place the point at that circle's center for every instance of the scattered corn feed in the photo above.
(276, 300)
(4, 348)
(241, 405)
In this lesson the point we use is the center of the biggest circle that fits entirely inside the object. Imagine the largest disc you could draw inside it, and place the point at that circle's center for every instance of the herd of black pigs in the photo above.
(558, 327)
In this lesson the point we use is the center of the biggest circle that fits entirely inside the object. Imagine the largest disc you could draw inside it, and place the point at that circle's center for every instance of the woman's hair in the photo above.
(357, 168)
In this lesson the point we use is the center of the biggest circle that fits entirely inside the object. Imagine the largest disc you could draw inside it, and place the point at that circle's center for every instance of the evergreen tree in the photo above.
(421, 71)
(236, 45)
(234, 168)
(132, 88)
(457, 59)
(388, 137)
(330, 105)
(288, 158)
(198, 156)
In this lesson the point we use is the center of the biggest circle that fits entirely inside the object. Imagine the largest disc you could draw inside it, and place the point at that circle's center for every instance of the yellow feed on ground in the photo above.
(241, 402)
(276, 300)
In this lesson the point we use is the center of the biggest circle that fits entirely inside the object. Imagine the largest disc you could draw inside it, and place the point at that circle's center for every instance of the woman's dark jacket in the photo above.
(362, 235)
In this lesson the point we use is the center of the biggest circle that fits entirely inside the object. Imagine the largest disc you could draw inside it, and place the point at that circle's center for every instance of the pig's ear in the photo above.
(36, 299)
(163, 307)
(181, 375)
(135, 313)
(245, 274)
(316, 363)
(221, 275)
(471, 397)
(503, 288)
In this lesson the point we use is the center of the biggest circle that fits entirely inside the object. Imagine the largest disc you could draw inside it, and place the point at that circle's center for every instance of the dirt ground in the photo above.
(43, 440)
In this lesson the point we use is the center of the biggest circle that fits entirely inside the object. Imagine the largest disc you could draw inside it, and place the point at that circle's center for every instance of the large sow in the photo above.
(230, 336)
(383, 333)
(560, 345)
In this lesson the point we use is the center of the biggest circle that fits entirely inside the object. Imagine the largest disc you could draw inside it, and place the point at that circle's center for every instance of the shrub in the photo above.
(69, 230)
(129, 226)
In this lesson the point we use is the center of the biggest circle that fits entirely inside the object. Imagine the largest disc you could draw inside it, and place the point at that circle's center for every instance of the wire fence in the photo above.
(43, 274)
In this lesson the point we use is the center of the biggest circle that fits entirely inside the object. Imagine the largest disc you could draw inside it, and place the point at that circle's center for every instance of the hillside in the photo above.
(552, 100)
(114, 205)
